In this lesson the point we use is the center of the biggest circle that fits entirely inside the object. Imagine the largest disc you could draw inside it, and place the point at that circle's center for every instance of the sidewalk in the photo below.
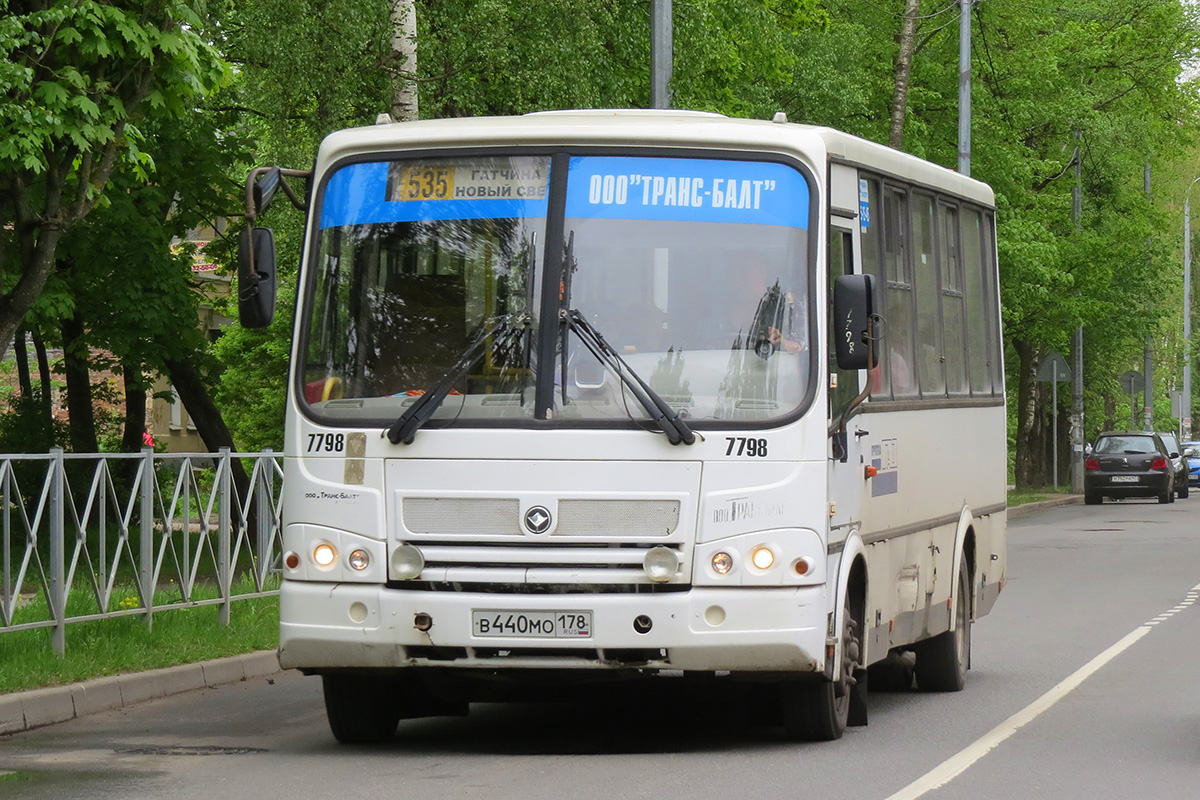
(22, 711)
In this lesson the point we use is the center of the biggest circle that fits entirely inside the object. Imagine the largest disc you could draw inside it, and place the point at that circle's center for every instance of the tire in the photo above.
(1092, 499)
(1183, 491)
(820, 710)
(361, 709)
(942, 661)
(1166, 497)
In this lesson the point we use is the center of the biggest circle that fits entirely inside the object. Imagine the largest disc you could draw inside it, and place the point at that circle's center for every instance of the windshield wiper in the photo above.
(660, 410)
(405, 428)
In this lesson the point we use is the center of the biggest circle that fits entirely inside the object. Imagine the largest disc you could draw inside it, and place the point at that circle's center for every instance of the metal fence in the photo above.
(98, 536)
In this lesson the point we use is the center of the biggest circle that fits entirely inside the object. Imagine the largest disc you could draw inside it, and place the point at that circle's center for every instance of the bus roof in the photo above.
(653, 128)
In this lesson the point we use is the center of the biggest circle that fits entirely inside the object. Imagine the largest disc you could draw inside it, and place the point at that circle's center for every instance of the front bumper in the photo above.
(758, 630)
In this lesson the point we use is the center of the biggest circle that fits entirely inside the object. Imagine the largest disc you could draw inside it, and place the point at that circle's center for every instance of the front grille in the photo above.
(485, 516)
(462, 515)
(594, 543)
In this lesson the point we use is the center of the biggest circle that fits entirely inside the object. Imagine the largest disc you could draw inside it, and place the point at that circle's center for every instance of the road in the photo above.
(1116, 581)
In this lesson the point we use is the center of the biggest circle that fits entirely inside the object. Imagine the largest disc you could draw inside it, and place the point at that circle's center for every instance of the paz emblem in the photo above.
(538, 519)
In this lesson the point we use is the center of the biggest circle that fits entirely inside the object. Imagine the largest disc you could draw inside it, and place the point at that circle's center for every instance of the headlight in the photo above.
(407, 562)
(722, 563)
(359, 560)
(661, 564)
(762, 557)
(324, 554)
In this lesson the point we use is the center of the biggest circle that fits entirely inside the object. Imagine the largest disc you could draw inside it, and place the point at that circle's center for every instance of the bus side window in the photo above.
(898, 363)
(954, 313)
(930, 370)
(978, 346)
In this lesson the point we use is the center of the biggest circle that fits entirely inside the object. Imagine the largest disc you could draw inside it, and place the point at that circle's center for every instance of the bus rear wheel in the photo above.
(821, 710)
(943, 660)
(362, 709)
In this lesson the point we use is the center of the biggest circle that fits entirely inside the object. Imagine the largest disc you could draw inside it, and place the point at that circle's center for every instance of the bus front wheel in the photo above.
(820, 710)
(362, 709)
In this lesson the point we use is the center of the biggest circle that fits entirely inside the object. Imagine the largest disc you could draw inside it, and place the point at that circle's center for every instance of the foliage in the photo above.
(253, 387)
(1107, 69)
(79, 78)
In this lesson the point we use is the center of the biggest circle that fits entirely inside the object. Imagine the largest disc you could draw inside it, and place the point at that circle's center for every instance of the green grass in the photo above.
(1019, 497)
(126, 644)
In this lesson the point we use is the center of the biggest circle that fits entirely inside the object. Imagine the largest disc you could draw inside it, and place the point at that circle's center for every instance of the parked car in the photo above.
(1191, 452)
(1178, 462)
(1133, 464)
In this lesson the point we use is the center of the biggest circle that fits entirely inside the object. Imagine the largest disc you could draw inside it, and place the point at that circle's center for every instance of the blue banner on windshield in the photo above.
(687, 190)
(605, 187)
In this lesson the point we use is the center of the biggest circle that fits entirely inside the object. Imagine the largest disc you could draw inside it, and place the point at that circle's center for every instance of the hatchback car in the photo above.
(1135, 464)
(1178, 463)
(1191, 452)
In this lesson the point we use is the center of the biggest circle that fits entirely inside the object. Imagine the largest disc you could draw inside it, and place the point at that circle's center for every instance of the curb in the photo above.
(23, 711)
(1025, 509)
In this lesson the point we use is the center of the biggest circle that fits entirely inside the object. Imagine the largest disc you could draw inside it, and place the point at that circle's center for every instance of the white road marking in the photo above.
(957, 764)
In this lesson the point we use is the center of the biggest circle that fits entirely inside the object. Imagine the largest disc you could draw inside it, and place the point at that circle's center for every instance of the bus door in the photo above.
(846, 466)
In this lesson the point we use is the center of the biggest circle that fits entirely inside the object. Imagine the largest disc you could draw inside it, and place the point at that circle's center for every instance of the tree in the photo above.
(78, 77)
(1105, 68)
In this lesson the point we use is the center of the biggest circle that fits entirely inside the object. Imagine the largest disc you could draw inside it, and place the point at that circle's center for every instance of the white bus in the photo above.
(586, 395)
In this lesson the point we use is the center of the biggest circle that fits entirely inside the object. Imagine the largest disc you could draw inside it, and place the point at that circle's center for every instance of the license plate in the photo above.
(534, 624)
(1124, 479)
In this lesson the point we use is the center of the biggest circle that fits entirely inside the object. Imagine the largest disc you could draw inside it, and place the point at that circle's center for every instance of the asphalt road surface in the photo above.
(1083, 685)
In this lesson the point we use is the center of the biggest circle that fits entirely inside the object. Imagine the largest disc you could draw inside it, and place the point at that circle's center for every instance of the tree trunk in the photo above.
(82, 417)
(1027, 419)
(193, 392)
(135, 407)
(404, 49)
(904, 59)
(22, 354)
(43, 362)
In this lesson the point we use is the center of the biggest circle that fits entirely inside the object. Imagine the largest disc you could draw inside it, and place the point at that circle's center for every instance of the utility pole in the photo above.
(1148, 361)
(1077, 383)
(1186, 405)
(964, 88)
(662, 53)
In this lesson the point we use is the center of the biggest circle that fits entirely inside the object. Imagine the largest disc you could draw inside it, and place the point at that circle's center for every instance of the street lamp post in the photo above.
(1186, 404)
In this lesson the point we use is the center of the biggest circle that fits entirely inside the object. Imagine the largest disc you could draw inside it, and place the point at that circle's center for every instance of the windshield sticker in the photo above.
(440, 189)
(687, 190)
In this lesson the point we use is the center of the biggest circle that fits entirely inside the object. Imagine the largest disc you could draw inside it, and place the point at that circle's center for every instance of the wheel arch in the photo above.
(852, 577)
(964, 549)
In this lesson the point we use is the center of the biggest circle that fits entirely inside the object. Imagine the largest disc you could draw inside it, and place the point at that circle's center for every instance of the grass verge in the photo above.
(1019, 497)
(125, 644)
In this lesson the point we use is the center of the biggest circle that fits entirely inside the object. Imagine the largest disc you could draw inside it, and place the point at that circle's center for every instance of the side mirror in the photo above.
(265, 187)
(853, 308)
(256, 277)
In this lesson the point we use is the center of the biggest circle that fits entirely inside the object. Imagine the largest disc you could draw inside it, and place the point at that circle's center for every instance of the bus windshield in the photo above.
(429, 275)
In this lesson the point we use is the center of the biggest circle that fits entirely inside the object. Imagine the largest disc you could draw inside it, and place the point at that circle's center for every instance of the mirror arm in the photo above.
(253, 176)
(838, 427)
